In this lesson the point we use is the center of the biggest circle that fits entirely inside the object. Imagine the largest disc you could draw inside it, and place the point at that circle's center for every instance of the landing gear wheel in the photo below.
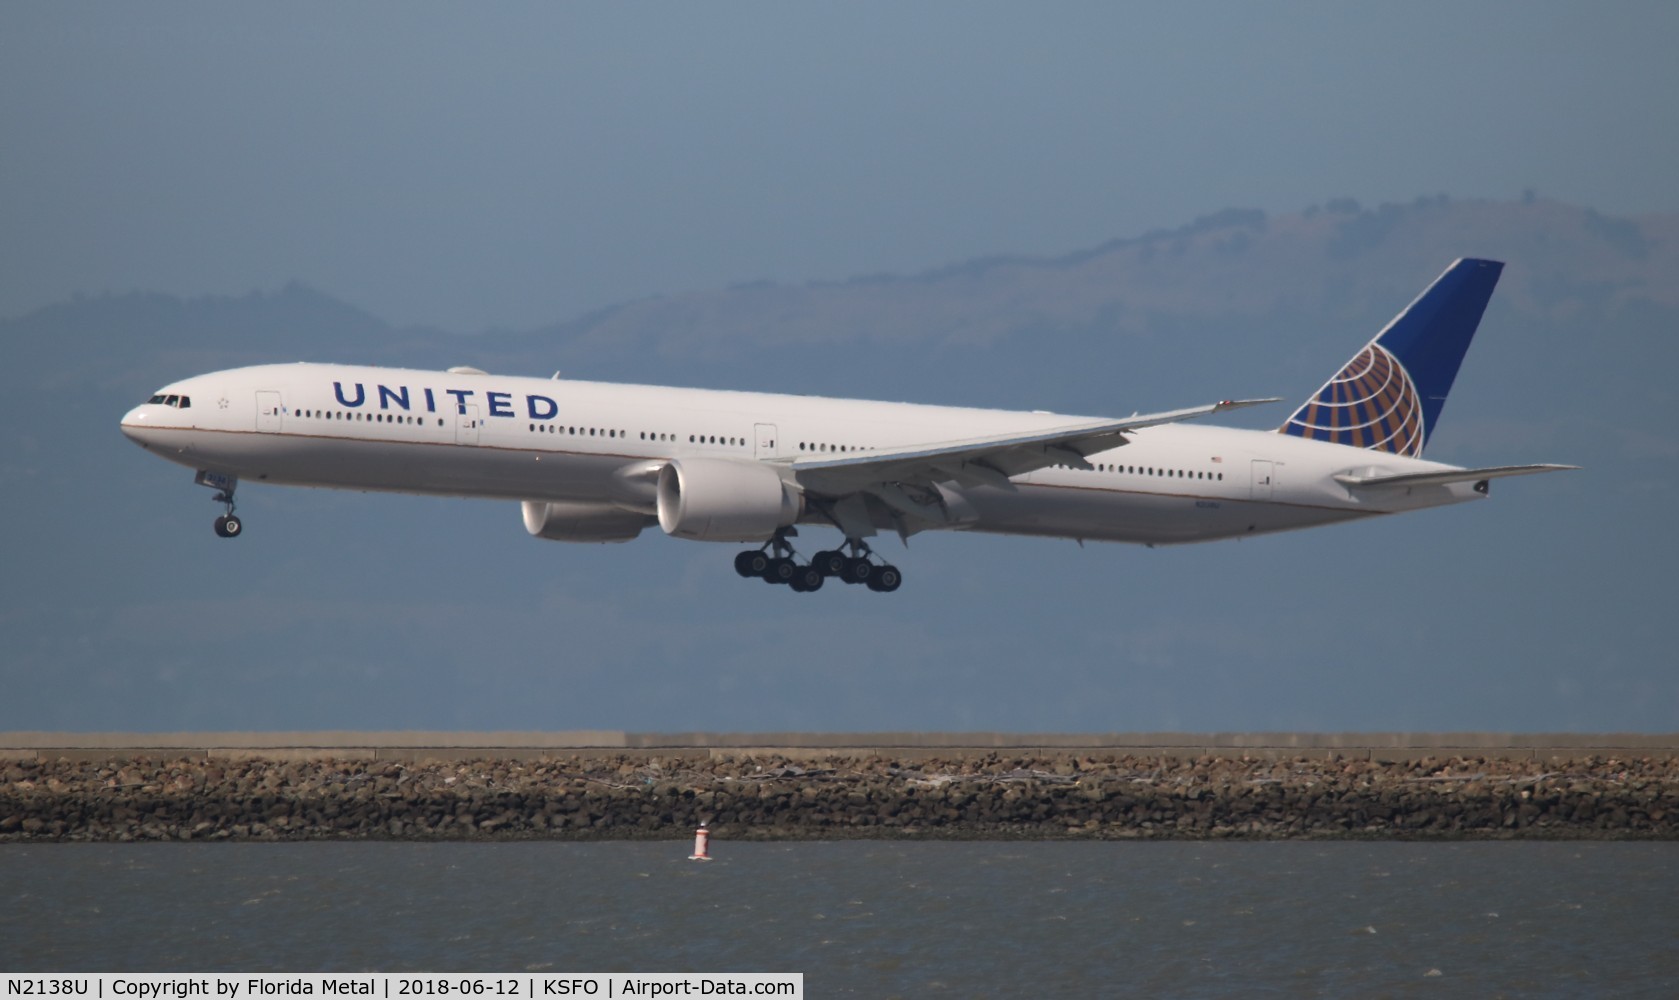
(829, 563)
(227, 525)
(780, 571)
(886, 579)
(807, 579)
(858, 570)
(751, 563)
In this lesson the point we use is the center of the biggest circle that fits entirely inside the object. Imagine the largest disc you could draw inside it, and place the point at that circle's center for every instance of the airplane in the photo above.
(599, 462)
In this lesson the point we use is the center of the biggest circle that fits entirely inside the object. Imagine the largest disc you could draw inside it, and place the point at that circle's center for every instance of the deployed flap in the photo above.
(1446, 477)
(989, 460)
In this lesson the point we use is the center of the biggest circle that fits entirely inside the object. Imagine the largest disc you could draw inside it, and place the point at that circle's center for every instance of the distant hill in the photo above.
(1339, 260)
(1070, 331)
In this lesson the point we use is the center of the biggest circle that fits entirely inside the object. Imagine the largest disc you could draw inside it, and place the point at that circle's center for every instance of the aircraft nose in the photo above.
(134, 427)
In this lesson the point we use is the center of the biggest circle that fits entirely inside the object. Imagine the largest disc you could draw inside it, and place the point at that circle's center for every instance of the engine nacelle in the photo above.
(724, 500)
(566, 521)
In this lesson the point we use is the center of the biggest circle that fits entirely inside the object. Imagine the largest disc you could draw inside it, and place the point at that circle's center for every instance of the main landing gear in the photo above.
(853, 562)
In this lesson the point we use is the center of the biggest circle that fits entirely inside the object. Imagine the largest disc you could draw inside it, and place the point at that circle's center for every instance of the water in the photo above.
(878, 918)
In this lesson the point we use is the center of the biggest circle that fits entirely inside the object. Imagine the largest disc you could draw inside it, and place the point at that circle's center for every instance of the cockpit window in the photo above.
(156, 399)
(185, 402)
(178, 402)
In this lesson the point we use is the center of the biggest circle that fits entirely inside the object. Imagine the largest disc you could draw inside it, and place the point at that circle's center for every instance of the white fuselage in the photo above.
(477, 435)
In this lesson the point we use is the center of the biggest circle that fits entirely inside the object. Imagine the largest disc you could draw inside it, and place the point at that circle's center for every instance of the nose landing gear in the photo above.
(228, 524)
(854, 562)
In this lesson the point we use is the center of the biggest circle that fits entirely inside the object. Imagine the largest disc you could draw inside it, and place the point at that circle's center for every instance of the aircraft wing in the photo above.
(1447, 476)
(986, 461)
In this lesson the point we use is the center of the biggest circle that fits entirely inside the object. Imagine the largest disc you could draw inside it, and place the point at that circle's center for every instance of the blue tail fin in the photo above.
(1388, 397)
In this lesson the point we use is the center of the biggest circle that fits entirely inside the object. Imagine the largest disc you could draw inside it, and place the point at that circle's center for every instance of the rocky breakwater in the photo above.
(974, 796)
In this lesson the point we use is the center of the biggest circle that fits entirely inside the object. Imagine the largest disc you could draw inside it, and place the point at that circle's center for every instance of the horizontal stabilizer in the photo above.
(1446, 477)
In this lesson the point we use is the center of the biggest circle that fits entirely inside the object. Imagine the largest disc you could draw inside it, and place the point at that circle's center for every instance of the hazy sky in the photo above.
(517, 164)
(473, 166)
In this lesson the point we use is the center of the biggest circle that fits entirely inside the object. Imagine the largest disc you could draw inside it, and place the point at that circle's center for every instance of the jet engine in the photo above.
(722, 500)
(566, 521)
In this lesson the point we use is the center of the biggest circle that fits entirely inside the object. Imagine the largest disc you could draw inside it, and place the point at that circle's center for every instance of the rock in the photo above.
(983, 795)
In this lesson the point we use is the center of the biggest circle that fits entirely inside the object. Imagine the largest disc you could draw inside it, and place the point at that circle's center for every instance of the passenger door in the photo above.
(1264, 475)
(766, 441)
(268, 411)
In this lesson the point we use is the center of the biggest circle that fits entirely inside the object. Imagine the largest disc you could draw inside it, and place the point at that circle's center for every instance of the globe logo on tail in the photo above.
(1371, 403)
